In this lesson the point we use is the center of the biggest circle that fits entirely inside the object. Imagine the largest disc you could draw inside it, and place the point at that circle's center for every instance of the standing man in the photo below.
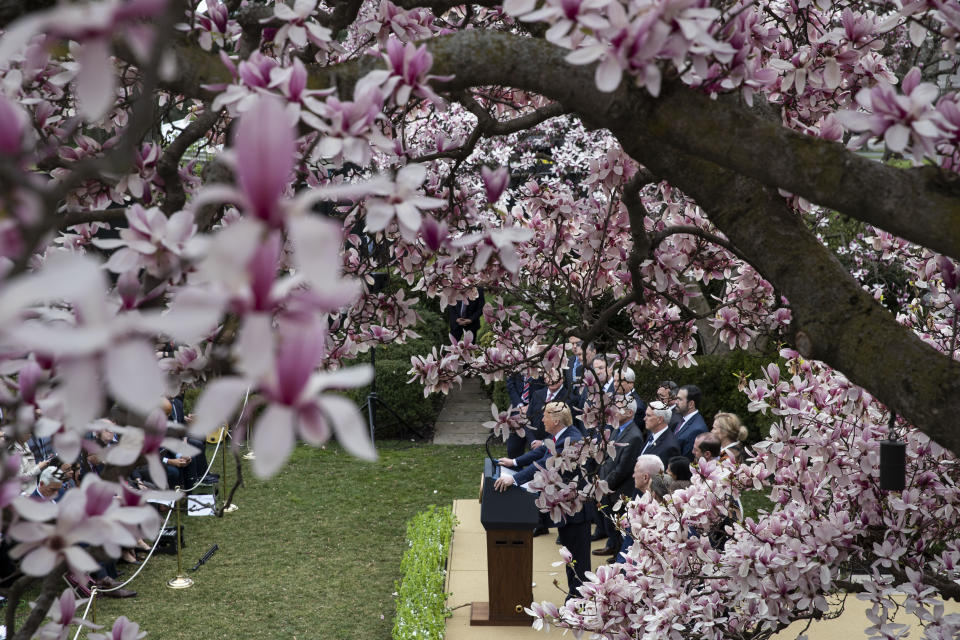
(625, 380)
(465, 316)
(647, 467)
(688, 403)
(617, 471)
(667, 394)
(521, 389)
(573, 375)
(555, 391)
(574, 530)
(661, 442)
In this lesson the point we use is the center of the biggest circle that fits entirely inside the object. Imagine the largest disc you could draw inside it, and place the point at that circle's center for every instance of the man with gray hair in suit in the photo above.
(617, 470)
(661, 441)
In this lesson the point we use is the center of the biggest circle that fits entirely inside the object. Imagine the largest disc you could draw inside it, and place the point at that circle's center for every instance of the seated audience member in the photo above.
(574, 530)
(617, 470)
(678, 468)
(199, 461)
(732, 434)
(688, 403)
(30, 469)
(645, 470)
(660, 442)
(50, 485)
(706, 446)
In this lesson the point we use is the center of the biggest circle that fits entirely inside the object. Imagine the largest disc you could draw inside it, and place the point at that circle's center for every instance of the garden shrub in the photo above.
(405, 399)
(392, 365)
(421, 601)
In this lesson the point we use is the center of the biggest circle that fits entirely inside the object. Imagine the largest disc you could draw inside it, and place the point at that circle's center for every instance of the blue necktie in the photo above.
(649, 442)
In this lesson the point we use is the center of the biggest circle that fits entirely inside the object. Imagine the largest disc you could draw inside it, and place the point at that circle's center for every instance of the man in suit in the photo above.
(647, 467)
(667, 394)
(465, 316)
(573, 374)
(617, 471)
(574, 530)
(625, 379)
(707, 446)
(521, 389)
(555, 391)
(661, 442)
(688, 403)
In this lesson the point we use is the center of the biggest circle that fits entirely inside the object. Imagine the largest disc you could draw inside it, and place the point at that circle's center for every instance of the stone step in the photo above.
(461, 427)
(460, 416)
(457, 438)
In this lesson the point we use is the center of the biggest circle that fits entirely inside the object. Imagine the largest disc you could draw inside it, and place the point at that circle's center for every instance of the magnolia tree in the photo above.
(228, 176)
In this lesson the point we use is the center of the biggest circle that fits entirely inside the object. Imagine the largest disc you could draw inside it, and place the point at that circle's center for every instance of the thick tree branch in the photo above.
(834, 320)
(169, 165)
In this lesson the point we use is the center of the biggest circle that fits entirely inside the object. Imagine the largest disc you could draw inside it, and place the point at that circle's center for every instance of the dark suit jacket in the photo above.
(687, 433)
(667, 446)
(472, 311)
(540, 455)
(515, 388)
(538, 401)
(675, 420)
(618, 470)
(573, 374)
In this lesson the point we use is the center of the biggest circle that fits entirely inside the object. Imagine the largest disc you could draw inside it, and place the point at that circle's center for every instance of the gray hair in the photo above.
(660, 410)
(650, 464)
(627, 402)
(627, 374)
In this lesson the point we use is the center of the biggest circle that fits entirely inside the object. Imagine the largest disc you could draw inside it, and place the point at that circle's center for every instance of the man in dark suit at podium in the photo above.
(574, 530)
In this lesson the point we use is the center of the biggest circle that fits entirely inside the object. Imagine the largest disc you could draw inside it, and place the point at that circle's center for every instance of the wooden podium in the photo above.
(509, 519)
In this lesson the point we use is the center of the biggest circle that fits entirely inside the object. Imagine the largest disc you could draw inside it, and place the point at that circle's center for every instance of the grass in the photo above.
(312, 553)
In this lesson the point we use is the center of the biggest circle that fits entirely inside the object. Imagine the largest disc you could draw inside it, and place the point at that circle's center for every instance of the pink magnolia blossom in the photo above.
(123, 629)
(288, 379)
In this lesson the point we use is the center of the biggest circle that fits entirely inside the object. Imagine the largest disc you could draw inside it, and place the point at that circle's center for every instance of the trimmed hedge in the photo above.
(421, 601)
(393, 363)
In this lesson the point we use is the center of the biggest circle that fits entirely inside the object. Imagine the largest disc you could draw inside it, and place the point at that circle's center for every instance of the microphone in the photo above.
(203, 559)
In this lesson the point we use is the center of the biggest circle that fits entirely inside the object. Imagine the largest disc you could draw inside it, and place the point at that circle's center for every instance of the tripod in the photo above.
(373, 399)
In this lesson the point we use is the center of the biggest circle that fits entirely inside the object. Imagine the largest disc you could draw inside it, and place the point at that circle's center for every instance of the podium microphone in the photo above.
(486, 445)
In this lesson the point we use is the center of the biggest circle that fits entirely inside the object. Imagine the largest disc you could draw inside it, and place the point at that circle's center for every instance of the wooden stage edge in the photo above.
(466, 582)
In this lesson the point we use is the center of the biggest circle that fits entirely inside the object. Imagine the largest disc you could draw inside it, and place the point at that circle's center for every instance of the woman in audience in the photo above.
(732, 433)
(678, 468)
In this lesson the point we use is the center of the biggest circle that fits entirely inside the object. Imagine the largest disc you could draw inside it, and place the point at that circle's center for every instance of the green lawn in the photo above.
(311, 553)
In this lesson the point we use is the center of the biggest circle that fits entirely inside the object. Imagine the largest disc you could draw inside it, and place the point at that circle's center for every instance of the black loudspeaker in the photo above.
(168, 541)
(893, 465)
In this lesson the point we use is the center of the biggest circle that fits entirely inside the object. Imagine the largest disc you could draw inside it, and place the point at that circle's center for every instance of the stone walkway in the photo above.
(463, 414)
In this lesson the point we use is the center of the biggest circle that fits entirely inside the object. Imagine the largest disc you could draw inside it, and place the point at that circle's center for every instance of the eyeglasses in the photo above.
(664, 397)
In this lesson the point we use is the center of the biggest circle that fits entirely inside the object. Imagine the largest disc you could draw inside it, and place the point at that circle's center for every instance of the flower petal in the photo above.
(134, 376)
(272, 440)
(349, 425)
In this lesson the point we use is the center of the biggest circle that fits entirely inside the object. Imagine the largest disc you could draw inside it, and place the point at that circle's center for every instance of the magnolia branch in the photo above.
(169, 164)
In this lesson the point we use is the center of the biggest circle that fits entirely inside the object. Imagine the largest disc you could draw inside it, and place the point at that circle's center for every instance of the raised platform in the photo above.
(467, 582)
